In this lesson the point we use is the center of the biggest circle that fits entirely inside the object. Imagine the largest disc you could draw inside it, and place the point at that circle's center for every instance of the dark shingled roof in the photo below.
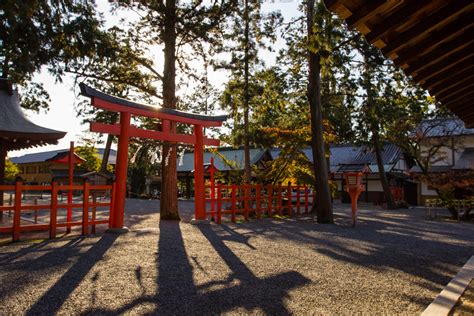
(91, 92)
(186, 163)
(444, 127)
(47, 155)
(16, 130)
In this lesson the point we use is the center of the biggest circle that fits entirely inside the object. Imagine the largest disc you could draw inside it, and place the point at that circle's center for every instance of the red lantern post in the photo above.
(354, 187)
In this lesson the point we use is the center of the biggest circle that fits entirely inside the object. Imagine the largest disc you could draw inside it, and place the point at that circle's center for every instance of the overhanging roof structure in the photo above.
(17, 131)
(431, 40)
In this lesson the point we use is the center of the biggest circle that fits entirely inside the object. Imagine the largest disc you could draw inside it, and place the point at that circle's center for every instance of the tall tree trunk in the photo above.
(247, 170)
(382, 174)
(323, 205)
(106, 155)
(169, 180)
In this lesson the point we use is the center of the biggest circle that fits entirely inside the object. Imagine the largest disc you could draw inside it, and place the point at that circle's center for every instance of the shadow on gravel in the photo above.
(52, 300)
(178, 295)
(432, 251)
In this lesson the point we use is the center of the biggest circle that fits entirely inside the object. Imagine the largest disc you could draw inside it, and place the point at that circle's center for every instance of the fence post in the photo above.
(219, 203)
(279, 200)
(35, 202)
(258, 202)
(213, 190)
(305, 199)
(289, 194)
(112, 202)
(270, 200)
(234, 202)
(54, 210)
(17, 211)
(85, 208)
(298, 199)
(246, 201)
(94, 211)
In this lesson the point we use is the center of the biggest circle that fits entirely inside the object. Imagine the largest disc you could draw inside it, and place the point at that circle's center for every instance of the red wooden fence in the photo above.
(87, 220)
(257, 199)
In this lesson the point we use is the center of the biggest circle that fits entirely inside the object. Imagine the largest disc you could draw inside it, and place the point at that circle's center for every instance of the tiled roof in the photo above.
(444, 127)
(186, 162)
(466, 160)
(43, 156)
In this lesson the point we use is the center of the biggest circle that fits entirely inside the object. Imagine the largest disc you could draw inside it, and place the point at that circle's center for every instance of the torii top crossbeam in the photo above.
(167, 132)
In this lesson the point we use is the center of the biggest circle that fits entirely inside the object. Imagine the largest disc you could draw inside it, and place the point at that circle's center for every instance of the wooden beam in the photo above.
(460, 27)
(114, 129)
(440, 53)
(365, 12)
(425, 26)
(331, 4)
(459, 104)
(454, 93)
(399, 17)
(454, 84)
(105, 105)
(457, 98)
(458, 71)
(464, 109)
(443, 65)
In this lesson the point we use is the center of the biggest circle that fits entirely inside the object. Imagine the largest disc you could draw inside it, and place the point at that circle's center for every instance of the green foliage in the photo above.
(45, 33)
(90, 155)
(11, 170)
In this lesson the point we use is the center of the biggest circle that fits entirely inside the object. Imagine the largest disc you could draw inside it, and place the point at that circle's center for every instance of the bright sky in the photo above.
(62, 115)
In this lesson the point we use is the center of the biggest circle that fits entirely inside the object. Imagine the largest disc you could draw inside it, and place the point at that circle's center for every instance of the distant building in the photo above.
(448, 145)
(44, 166)
(343, 159)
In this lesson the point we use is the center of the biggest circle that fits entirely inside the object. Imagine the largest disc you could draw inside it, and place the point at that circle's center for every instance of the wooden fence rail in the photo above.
(257, 199)
(87, 221)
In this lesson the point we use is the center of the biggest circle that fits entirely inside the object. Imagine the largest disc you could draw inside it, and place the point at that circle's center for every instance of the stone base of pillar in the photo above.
(118, 231)
(200, 222)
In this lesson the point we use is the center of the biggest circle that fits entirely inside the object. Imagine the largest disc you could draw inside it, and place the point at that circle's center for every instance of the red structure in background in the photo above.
(166, 132)
(354, 187)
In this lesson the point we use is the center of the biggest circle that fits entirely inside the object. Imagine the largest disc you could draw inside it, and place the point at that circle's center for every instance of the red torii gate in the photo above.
(169, 118)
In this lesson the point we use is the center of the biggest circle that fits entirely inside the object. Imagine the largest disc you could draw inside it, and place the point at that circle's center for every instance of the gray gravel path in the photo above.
(392, 262)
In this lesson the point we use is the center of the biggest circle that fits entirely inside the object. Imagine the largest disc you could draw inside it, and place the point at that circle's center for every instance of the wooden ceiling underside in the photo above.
(431, 40)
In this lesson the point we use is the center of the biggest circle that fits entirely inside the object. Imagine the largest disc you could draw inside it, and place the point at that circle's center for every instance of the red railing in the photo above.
(257, 199)
(87, 219)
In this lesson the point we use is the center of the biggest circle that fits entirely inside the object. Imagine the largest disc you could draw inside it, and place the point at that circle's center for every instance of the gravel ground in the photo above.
(392, 262)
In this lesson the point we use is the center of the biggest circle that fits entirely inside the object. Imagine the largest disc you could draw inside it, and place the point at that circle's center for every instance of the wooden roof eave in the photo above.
(431, 40)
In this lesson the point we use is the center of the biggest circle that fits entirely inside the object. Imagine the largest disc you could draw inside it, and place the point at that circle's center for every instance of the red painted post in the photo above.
(54, 210)
(36, 211)
(70, 182)
(258, 188)
(298, 199)
(246, 201)
(94, 212)
(17, 211)
(234, 202)
(270, 200)
(112, 202)
(279, 200)
(306, 199)
(219, 203)
(121, 172)
(289, 195)
(199, 188)
(213, 188)
(85, 209)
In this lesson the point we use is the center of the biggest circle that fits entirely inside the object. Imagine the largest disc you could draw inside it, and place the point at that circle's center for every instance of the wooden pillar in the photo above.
(121, 171)
(213, 189)
(70, 182)
(199, 191)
